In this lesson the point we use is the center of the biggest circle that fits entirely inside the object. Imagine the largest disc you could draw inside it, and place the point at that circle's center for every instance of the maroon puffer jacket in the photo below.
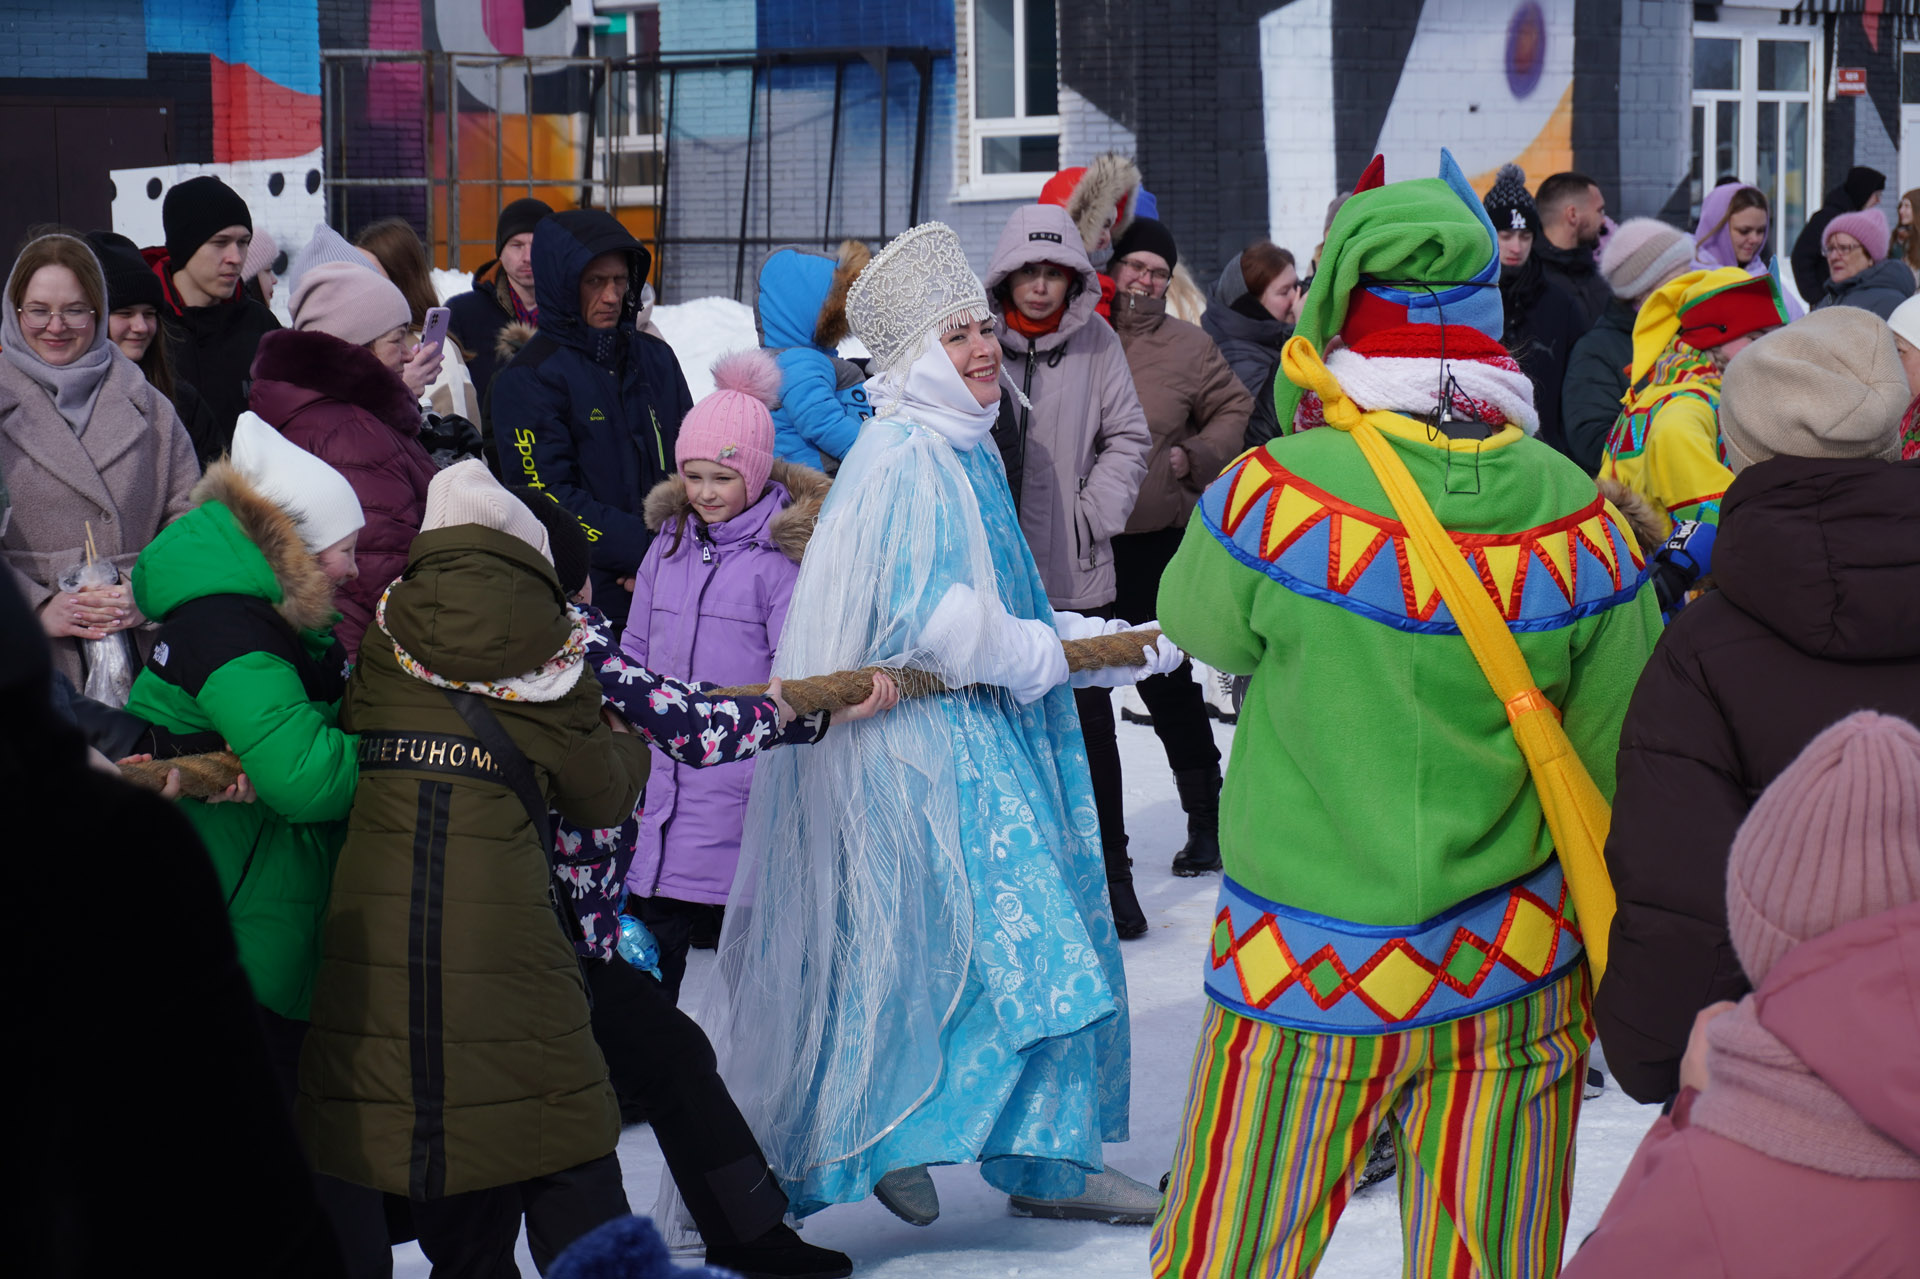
(338, 402)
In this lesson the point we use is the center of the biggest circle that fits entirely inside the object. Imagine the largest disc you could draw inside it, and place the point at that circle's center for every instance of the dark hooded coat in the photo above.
(1817, 615)
(590, 416)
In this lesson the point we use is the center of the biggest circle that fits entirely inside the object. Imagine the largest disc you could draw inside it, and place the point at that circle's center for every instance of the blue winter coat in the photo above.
(823, 400)
(587, 415)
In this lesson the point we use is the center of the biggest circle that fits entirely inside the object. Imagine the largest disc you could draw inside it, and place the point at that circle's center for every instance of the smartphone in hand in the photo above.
(436, 327)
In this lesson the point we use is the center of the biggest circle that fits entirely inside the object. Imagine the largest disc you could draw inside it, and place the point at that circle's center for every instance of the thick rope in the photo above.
(205, 775)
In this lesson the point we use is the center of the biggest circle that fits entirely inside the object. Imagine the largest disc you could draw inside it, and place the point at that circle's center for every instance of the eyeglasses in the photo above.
(1156, 274)
(1835, 249)
(36, 318)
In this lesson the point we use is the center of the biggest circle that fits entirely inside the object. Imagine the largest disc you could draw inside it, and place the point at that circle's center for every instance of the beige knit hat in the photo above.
(1835, 838)
(1828, 385)
(467, 493)
(1642, 254)
(353, 303)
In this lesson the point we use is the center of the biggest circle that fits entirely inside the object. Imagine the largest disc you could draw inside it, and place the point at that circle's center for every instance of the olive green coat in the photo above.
(451, 1049)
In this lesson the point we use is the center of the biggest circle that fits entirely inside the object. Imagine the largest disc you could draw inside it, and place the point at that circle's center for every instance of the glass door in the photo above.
(1754, 119)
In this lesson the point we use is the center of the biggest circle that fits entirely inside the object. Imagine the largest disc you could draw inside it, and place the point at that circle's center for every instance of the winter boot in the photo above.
(1200, 795)
(909, 1194)
(780, 1254)
(1382, 1160)
(1128, 919)
(1110, 1196)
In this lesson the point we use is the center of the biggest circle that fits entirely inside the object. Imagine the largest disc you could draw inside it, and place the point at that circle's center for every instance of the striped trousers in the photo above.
(1279, 1121)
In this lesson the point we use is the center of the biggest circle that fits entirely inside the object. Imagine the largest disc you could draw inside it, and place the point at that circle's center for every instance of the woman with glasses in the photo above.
(1859, 272)
(1196, 414)
(93, 455)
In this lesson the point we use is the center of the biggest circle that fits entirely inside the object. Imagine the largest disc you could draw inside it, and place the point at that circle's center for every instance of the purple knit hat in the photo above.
(1869, 226)
(733, 426)
(1835, 838)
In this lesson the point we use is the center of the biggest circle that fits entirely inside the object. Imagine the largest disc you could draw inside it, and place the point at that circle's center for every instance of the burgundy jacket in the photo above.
(1698, 1204)
(1817, 615)
(339, 403)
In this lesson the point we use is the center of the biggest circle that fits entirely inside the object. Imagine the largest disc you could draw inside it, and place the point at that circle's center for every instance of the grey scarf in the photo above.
(74, 388)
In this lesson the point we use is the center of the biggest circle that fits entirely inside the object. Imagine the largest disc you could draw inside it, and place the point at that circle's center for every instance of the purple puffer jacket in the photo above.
(708, 605)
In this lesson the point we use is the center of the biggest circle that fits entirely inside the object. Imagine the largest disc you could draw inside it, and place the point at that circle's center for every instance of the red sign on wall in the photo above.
(1850, 82)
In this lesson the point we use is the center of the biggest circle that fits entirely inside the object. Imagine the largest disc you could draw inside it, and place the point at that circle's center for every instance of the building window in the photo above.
(629, 113)
(1013, 135)
(1754, 120)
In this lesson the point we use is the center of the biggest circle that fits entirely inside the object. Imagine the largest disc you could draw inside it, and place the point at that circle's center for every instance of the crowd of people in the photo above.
(445, 659)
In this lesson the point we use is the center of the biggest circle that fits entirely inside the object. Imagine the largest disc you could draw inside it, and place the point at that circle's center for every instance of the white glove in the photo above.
(971, 638)
(1162, 659)
(1073, 626)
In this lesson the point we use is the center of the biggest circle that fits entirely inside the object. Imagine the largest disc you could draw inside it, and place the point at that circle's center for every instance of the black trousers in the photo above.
(471, 1235)
(659, 1056)
(676, 925)
(1175, 700)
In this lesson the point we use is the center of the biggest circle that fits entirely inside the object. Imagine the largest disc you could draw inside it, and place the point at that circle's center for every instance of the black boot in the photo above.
(780, 1254)
(1200, 796)
(1128, 919)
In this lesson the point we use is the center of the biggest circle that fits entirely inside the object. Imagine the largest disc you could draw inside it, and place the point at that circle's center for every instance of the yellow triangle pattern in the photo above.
(1503, 562)
(1424, 588)
(1356, 538)
(1600, 541)
(1247, 488)
(1557, 550)
(1291, 511)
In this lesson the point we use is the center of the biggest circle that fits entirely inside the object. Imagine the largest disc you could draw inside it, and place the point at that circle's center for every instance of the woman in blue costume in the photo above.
(919, 948)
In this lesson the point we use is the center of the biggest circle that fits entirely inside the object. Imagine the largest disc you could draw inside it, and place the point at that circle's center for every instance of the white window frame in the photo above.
(1749, 95)
(630, 143)
(979, 185)
(1909, 140)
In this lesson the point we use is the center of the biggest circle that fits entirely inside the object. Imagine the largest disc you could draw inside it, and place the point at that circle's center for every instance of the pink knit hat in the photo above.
(1869, 226)
(1835, 838)
(353, 303)
(733, 426)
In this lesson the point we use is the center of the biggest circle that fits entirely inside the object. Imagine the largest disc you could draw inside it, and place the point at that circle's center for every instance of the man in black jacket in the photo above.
(213, 326)
(1861, 190)
(589, 410)
(1572, 212)
(502, 298)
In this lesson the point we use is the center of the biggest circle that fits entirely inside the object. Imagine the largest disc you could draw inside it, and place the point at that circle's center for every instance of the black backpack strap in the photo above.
(512, 761)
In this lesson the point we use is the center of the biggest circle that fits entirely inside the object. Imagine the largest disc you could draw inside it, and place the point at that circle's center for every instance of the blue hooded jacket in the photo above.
(802, 314)
(590, 416)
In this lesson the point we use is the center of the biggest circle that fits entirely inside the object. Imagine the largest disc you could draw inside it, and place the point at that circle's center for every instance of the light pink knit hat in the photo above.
(1835, 838)
(733, 426)
(1869, 226)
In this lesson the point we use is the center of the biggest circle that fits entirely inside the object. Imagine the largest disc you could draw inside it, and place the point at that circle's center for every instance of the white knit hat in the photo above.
(919, 284)
(319, 499)
(467, 493)
(1905, 321)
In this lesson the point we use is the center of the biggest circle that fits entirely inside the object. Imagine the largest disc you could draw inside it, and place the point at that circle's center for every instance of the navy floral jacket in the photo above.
(590, 866)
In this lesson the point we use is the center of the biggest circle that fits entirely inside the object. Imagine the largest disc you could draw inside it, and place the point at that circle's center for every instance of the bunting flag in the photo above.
(1319, 545)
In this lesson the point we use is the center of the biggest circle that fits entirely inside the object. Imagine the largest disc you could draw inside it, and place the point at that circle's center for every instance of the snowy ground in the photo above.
(975, 1238)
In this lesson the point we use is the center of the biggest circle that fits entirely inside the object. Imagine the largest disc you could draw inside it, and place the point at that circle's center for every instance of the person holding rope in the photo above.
(919, 947)
(1405, 950)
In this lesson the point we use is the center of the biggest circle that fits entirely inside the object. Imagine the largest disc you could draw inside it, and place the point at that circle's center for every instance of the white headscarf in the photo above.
(932, 393)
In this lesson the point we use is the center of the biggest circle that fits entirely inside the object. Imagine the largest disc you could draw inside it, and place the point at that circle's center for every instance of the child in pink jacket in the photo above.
(1794, 1146)
(709, 600)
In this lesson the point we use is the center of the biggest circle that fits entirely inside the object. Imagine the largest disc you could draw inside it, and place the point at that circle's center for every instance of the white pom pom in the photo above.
(751, 372)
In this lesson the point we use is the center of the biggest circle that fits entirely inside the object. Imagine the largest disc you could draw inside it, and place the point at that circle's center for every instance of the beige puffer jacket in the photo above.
(1084, 443)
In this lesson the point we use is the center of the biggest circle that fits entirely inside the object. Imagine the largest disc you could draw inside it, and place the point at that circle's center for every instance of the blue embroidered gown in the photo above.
(919, 947)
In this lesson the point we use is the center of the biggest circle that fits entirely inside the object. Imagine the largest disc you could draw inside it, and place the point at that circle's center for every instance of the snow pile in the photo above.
(703, 330)
(450, 284)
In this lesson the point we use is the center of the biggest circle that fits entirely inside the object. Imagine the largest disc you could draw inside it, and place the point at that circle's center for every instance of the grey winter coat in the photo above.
(1083, 447)
(128, 474)
(1252, 346)
(1879, 288)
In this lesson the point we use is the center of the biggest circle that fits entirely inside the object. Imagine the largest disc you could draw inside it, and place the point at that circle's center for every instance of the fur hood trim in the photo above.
(306, 594)
(338, 370)
(513, 335)
(791, 529)
(851, 261)
(1111, 178)
(1646, 523)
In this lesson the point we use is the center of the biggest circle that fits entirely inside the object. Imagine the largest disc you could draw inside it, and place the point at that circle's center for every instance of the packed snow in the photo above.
(976, 1238)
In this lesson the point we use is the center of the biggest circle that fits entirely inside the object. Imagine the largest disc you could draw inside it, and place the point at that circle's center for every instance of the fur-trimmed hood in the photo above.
(205, 552)
(790, 529)
(513, 335)
(296, 368)
(1647, 524)
(802, 298)
(1108, 185)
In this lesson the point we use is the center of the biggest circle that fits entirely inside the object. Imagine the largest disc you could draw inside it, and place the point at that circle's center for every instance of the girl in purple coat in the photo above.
(709, 600)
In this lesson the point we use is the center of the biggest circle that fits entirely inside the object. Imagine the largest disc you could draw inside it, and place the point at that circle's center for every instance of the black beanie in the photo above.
(1861, 183)
(518, 218)
(130, 281)
(1508, 205)
(1148, 234)
(565, 537)
(196, 211)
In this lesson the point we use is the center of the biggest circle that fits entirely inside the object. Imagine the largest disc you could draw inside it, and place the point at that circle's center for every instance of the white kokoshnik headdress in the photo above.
(919, 284)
